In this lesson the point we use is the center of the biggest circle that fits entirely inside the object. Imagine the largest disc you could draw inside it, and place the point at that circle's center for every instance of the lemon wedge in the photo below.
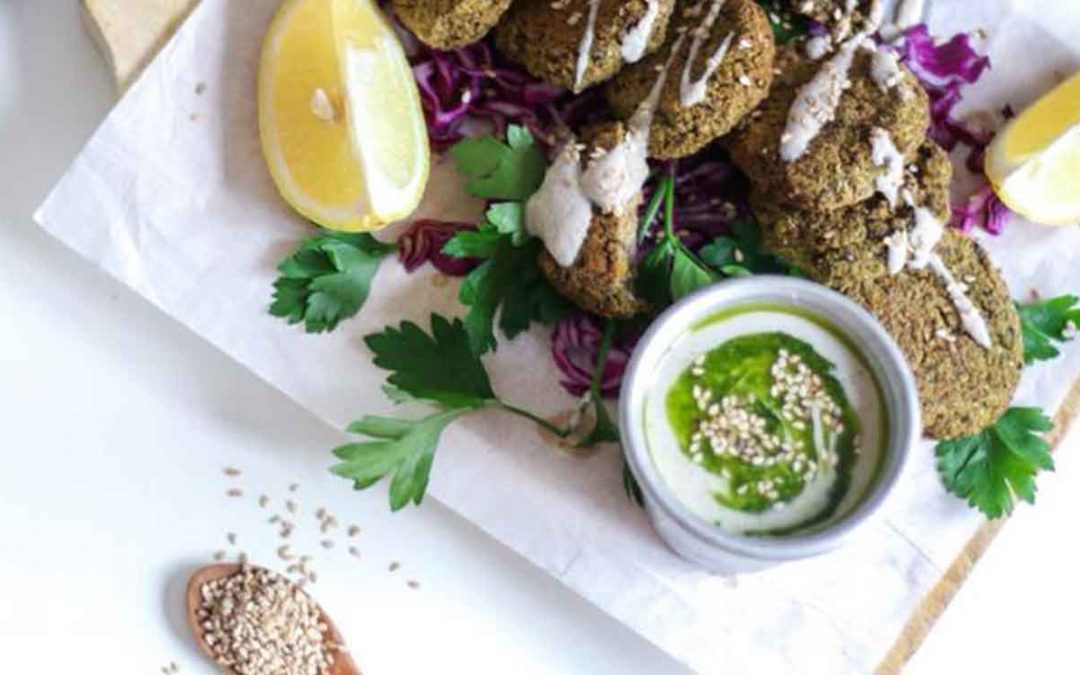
(1034, 163)
(340, 119)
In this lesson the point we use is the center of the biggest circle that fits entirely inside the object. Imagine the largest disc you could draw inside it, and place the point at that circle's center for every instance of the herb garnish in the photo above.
(1047, 322)
(440, 369)
(327, 279)
(510, 171)
(509, 280)
(997, 466)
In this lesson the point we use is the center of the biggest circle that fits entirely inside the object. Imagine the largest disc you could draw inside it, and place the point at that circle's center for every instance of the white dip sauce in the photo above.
(694, 486)
(636, 40)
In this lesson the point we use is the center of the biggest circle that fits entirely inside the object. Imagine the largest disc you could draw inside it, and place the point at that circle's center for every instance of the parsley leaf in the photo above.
(688, 275)
(327, 279)
(670, 271)
(510, 280)
(440, 368)
(506, 218)
(997, 466)
(404, 448)
(507, 171)
(1044, 323)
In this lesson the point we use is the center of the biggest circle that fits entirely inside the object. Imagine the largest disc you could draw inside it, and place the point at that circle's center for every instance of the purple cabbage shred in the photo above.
(575, 346)
(944, 70)
(423, 242)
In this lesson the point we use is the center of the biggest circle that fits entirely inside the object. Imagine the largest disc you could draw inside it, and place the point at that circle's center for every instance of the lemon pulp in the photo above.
(1034, 161)
(340, 118)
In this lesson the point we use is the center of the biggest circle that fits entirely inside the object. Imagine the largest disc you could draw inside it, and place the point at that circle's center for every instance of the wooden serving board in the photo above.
(131, 32)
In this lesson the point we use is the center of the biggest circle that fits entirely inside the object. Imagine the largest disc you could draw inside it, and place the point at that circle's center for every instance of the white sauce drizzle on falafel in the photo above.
(693, 92)
(584, 55)
(914, 249)
(636, 41)
(885, 155)
(561, 211)
(816, 102)
(970, 317)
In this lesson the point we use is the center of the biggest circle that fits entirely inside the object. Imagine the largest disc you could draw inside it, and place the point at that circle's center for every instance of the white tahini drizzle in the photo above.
(613, 178)
(636, 40)
(885, 69)
(584, 55)
(924, 236)
(692, 92)
(559, 213)
(915, 250)
(883, 154)
(818, 47)
(970, 316)
(815, 104)
(898, 250)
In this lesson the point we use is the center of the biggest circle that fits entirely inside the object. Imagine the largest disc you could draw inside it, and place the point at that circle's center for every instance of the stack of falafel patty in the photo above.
(831, 131)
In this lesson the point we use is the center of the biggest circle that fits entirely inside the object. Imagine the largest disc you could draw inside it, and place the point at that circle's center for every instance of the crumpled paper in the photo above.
(171, 196)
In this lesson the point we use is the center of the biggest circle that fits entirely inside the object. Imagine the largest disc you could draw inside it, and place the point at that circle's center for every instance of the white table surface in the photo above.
(115, 423)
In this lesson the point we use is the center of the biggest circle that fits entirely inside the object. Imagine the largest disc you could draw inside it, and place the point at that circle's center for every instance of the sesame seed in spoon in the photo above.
(253, 621)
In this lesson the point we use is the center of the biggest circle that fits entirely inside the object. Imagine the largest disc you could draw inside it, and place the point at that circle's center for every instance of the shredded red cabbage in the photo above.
(575, 345)
(983, 209)
(474, 83)
(943, 71)
(423, 242)
(710, 196)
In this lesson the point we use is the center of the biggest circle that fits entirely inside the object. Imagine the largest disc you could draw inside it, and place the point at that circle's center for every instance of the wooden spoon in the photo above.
(343, 663)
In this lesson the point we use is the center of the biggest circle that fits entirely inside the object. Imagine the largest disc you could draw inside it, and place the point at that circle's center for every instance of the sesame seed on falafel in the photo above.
(733, 64)
(836, 168)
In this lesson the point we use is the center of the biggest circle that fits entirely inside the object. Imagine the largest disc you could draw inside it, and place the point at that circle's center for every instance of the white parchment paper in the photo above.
(171, 196)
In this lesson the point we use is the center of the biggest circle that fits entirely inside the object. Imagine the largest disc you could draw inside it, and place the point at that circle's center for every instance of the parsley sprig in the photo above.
(327, 279)
(671, 271)
(1046, 323)
(507, 289)
(994, 468)
(440, 369)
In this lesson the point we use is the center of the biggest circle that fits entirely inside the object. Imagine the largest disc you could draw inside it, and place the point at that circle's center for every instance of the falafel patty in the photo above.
(963, 387)
(575, 44)
(732, 67)
(601, 280)
(837, 167)
(449, 24)
(801, 236)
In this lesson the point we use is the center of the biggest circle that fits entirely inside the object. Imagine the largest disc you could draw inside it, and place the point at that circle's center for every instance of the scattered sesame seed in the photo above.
(234, 492)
